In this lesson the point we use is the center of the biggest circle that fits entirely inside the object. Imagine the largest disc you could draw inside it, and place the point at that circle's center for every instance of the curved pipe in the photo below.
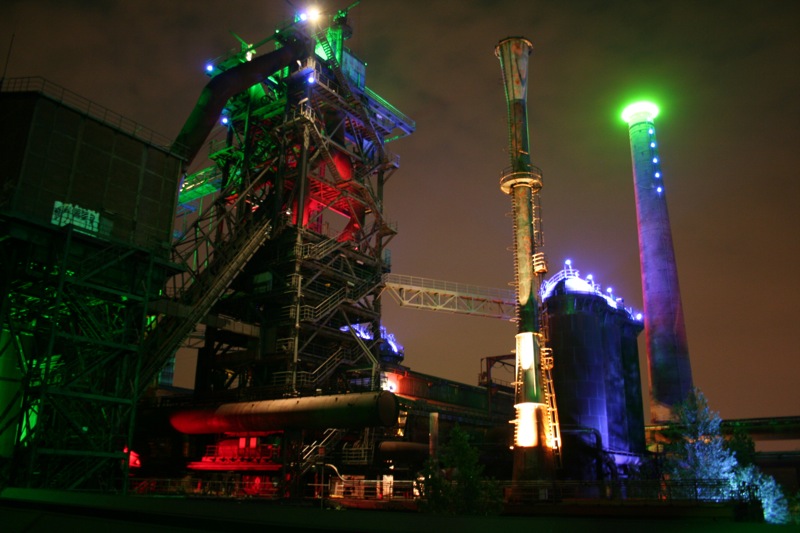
(345, 411)
(222, 87)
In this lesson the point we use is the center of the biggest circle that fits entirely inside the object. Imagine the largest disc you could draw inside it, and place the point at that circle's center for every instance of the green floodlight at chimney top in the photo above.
(639, 112)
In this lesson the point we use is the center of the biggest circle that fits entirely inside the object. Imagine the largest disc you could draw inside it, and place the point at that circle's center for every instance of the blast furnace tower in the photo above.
(536, 428)
(667, 349)
(268, 264)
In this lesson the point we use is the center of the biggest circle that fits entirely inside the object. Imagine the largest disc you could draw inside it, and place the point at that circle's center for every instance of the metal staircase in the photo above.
(206, 283)
(325, 307)
(310, 455)
(362, 451)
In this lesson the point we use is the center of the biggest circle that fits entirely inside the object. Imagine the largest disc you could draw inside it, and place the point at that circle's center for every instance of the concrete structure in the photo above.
(667, 348)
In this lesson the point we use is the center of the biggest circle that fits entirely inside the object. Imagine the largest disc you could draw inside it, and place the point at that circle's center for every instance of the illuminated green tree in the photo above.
(698, 452)
(697, 449)
(767, 491)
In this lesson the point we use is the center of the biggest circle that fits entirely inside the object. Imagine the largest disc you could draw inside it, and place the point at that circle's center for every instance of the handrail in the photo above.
(504, 295)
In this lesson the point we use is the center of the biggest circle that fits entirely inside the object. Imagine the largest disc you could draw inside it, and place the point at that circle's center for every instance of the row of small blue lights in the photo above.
(656, 161)
(646, 112)
(574, 283)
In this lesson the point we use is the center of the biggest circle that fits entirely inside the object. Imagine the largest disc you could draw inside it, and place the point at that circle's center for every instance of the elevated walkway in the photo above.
(449, 297)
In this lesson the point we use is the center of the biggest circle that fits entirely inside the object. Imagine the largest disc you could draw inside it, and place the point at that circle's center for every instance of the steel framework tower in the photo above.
(276, 273)
(667, 348)
(306, 148)
(83, 256)
(299, 171)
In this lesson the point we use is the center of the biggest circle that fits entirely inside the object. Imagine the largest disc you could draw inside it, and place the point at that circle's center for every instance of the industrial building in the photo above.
(270, 264)
(596, 373)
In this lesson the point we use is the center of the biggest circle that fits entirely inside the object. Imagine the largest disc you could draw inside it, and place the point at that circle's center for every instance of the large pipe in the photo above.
(225, 85)
(667, 348)
(345, 411)
(522, 181)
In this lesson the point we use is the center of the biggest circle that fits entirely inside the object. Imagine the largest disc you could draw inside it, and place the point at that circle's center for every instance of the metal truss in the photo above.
(449, 297)
(310, 158)
(74, 312)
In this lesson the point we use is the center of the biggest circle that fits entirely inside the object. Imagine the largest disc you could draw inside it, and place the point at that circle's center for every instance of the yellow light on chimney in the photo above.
(526, 434)
(525, 353)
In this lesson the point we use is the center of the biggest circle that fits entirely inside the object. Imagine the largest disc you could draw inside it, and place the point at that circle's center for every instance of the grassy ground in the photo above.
(34, 511)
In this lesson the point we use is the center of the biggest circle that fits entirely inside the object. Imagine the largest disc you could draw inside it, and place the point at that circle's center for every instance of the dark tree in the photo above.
(454, 482)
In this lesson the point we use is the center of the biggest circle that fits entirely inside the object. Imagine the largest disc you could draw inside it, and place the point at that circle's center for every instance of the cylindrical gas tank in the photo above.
(345, 411)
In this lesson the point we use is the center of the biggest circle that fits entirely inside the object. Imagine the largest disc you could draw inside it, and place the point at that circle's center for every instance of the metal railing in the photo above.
(504, 295)
(206, 488)
(371, 489)
(389, 107)
(630, 491)
(620, 492)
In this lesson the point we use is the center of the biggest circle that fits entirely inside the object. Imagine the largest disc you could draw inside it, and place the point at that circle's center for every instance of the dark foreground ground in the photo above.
(40, 511)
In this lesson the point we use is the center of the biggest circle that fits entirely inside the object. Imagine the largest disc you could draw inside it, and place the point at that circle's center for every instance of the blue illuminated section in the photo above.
(573, 283)
(667, 348)
(651, 132)
(364, 331)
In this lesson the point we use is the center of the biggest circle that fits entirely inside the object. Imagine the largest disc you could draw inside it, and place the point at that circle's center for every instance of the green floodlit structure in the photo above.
(648, 111)
(81, 265)
(669, 368)
(265, 263)
(267, 267)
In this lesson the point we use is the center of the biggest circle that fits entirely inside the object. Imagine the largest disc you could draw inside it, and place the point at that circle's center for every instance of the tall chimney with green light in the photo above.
(667, 349)
(522, 181)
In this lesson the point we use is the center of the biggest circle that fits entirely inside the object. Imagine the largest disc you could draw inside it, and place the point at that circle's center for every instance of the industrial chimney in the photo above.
(667, 348)
(535, 435)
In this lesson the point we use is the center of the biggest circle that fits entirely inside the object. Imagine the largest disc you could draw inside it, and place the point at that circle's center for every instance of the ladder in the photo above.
(552, 428)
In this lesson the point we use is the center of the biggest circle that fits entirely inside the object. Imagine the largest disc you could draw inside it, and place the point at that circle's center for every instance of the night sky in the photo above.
(725, 73)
